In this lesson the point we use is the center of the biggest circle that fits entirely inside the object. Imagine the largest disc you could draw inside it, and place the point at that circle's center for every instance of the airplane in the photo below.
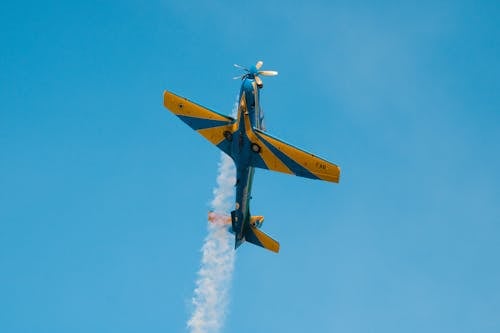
(245, 140)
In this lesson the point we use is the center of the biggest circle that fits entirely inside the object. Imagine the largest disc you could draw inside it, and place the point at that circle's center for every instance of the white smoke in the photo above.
(211, 295)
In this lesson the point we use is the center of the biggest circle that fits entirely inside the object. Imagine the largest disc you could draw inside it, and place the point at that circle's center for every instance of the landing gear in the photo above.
(228, 135)
(255, 148)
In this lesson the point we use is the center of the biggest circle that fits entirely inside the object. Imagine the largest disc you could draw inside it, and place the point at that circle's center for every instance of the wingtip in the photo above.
(166, 95)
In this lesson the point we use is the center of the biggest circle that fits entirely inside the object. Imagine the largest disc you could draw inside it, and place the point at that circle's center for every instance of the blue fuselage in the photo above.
(242, 149)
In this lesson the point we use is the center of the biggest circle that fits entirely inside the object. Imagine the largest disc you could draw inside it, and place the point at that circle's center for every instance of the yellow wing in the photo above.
(280, 156)
(213, 126)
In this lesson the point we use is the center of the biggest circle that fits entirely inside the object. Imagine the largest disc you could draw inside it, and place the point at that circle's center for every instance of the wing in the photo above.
(213, 126)
(280, 156)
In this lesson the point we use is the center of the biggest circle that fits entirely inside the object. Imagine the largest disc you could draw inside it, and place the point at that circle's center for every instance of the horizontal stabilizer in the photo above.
(219, 219)
(257, 237)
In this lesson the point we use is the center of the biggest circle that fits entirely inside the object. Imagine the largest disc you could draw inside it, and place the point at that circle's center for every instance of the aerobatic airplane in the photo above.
(246, 142)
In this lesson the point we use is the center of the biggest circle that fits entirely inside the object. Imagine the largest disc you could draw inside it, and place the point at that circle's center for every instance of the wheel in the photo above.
(228, 135)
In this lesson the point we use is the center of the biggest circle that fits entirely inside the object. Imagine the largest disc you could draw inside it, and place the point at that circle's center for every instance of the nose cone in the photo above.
(253, 70)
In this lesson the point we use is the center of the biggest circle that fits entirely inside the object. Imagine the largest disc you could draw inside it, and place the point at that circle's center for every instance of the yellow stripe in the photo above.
(272, 162)
(181, 106)
(216, 134)
(317, 166)
(266, 241)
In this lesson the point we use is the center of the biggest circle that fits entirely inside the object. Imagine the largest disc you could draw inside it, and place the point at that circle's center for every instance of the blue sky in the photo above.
(104, 194)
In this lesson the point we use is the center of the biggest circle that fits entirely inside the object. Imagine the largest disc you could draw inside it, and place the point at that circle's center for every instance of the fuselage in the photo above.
(244, 140)
(249, 115)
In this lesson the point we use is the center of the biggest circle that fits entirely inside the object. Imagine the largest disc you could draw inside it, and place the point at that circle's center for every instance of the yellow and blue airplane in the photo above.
(244, 139)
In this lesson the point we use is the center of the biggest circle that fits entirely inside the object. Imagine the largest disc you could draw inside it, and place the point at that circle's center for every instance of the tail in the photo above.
(250, 232)
(257, 237)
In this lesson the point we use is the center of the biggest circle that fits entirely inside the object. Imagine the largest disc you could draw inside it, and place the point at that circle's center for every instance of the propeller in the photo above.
(254, 72)
(268, 73)
(241, 67)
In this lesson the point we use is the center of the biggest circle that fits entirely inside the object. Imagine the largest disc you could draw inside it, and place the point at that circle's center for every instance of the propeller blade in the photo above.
(241, 67)
(258, 81)
(239, 77)
(268, 73)
(259, 64)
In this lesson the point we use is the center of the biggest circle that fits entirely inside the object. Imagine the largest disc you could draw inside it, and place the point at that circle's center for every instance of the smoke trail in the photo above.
(214, 276)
